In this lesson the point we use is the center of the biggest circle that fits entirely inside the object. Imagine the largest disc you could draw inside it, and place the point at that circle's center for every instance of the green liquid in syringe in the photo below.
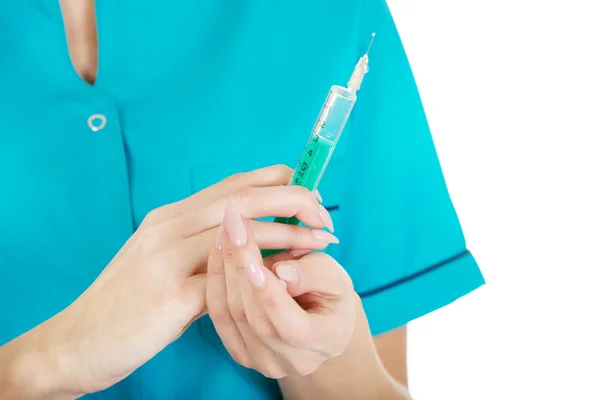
(312, 162)
(308, 173)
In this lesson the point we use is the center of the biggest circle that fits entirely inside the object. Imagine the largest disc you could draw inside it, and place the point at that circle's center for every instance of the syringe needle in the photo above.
(370, 43)
(360, 70)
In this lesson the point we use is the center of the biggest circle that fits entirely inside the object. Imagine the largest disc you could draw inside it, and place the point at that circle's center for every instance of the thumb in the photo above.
(315, 273)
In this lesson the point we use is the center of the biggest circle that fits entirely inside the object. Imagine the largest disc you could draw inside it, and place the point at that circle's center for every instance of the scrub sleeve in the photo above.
(405, 251)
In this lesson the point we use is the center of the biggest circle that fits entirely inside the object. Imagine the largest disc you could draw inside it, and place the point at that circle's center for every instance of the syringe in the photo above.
(326, 134)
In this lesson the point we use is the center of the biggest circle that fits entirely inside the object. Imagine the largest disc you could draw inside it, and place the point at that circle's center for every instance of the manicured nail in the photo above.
(234, 225)
(318, 196)
(283, 283)
(299, 253)
(254, 270)
(324, 214)
(325, 236)
(287, 272)
(219, 237)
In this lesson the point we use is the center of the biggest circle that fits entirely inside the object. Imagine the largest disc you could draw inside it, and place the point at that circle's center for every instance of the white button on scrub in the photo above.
(96, 122)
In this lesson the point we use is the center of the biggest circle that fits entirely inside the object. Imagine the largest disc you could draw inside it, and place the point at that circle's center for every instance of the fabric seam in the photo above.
(415, 275)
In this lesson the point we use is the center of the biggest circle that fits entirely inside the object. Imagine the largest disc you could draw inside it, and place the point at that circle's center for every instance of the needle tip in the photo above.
(370, 43)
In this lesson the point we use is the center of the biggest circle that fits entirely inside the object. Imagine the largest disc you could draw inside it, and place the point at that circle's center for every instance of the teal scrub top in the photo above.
(189, 92)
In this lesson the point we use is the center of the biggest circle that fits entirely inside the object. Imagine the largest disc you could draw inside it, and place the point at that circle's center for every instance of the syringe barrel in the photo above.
(320, 145)
(334, 114)
(323, 138)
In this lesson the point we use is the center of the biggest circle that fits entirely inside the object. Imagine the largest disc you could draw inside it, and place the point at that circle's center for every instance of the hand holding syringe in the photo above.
(326, 134)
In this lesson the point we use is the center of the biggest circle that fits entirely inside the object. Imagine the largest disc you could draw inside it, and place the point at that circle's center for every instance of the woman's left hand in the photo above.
(282, 315)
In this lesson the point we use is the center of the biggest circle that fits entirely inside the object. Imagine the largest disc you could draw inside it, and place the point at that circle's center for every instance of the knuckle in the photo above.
(218, 313)
(298, 233)
(215, 269)
(152, 237)
(283, 170)
(238, 313)
(265, 329)
(269, 301)
(155, 215)
(244, 193)
(218, 316)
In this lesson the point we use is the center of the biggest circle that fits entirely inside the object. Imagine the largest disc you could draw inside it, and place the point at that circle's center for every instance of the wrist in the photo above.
(35, 367)
(357, 373)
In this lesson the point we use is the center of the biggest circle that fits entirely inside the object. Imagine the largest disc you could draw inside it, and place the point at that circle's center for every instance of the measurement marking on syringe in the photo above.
(321, 144)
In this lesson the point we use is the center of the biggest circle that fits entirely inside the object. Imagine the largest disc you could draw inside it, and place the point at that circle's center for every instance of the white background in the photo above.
(512, 93)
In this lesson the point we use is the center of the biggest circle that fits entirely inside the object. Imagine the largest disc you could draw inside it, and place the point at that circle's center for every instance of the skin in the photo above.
(283, 316)
(82, 39)
(317, 343)
(391, 347)
(166, 276)
(52, 355)
(80, 27)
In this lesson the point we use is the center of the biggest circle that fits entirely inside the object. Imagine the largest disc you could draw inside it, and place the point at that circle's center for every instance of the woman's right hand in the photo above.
(154, 288)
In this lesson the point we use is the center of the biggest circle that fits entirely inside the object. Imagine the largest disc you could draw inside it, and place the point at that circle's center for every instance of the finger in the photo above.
(316, 280)
(315, 273)
(271, 312)
(218, 309)
(284, 256)
(238, 308)
(269, 235)
(280, 201)
(275, 175)
(194, 250)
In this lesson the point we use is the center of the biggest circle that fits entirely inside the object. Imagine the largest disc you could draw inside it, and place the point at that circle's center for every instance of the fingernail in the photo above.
(318, 196)
(234, 225)
(254, 270)
(325, 236)
(299, 253)
(219, 235)
(283, 283)
(324, 214)
(286, 272)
